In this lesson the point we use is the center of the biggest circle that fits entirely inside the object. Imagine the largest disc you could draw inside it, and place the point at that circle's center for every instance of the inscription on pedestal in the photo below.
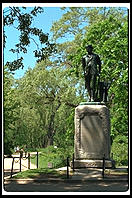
(92, 132)
(92, 137)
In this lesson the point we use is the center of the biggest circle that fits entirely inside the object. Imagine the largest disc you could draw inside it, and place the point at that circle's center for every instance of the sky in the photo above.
(43, 21)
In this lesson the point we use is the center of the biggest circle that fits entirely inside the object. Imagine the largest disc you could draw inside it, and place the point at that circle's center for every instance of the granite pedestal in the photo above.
(92, 136)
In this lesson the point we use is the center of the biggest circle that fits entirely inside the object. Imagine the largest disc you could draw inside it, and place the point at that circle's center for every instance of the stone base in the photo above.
(92, 132)
(92, 103)
(93, 164)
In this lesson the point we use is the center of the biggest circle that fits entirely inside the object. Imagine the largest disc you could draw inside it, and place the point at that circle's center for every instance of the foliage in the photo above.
(120, 150)
(11, 111)
(43, 96)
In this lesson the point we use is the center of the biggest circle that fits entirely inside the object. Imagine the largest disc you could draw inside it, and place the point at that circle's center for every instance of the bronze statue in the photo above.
(92, 67)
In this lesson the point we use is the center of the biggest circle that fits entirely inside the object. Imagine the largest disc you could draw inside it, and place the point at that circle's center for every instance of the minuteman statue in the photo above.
(92, 67)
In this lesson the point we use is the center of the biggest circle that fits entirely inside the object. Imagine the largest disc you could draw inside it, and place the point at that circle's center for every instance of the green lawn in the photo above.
(41, 173)
(50, 157)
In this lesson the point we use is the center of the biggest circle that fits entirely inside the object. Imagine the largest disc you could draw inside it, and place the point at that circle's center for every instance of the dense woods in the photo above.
(39, 107)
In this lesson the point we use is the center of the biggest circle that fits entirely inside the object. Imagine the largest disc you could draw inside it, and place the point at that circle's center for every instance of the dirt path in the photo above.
(24, 163)
(90, 186)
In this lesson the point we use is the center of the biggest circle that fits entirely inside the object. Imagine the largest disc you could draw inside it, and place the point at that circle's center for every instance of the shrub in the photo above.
(120, 150)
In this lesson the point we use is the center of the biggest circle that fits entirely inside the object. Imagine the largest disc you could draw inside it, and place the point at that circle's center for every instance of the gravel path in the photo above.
(47, 186)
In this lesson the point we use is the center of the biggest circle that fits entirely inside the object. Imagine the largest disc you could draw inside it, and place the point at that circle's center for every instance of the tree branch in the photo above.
(34, 42)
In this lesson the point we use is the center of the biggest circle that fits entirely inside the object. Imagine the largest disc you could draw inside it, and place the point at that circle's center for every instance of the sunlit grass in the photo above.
(43, 173)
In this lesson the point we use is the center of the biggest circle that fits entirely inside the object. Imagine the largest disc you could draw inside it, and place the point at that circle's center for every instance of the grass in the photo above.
(45, 160)
(41, 173)
(50, 155)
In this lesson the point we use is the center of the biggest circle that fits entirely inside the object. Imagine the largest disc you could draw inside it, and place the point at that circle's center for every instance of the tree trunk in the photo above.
(51, 126)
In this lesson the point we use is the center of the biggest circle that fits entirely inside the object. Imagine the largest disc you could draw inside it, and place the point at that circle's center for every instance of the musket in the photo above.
(84, 65)
(98, 85)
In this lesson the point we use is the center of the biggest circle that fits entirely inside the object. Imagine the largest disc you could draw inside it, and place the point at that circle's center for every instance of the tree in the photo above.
(10, 110)
(74, 26)
(22, 21)
(47, 100)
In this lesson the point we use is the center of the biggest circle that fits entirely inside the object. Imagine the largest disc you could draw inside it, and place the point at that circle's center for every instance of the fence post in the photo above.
(103, 166)
(112, 155)
(12, 167)
(20, 160)
(28, 160)
(37, 159)
(73, 162)
(67, 168)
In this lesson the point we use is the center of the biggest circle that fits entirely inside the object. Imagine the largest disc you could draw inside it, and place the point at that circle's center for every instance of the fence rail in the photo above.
(20, 158)
(29, 156)
(36, 155)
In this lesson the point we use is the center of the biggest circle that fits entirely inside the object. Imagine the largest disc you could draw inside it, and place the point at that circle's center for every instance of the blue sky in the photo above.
(43, 21)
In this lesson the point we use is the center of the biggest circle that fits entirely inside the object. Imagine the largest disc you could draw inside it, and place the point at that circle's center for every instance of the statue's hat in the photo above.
(89, 46)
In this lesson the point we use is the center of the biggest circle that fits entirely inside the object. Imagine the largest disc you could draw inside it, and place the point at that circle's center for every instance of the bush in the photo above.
(120, 150)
